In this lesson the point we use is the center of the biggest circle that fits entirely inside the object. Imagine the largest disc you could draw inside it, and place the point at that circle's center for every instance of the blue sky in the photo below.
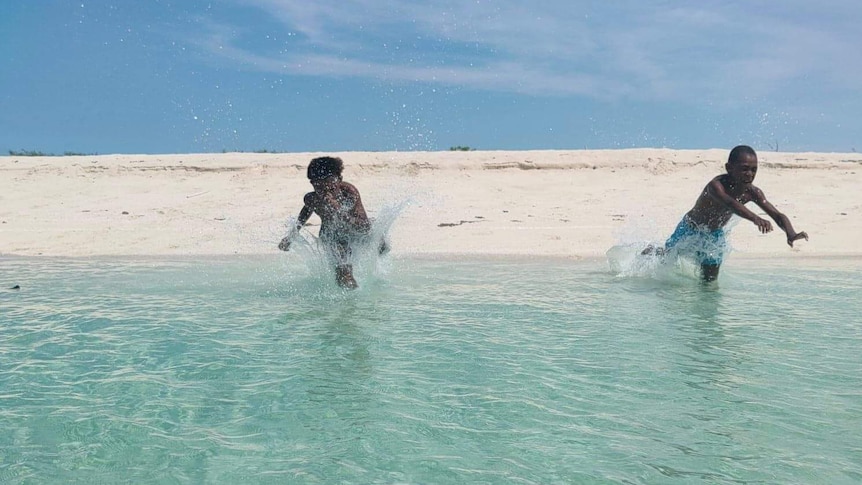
(154, 76)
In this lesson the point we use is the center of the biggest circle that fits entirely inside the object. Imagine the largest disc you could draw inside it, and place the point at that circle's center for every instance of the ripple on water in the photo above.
(434, 372)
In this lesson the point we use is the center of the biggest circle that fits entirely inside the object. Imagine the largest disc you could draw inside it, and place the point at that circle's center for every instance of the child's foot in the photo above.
(653, 250)
(383, 248)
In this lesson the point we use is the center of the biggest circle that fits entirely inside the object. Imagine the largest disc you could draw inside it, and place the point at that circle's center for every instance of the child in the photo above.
(343, 219)
(702, 228)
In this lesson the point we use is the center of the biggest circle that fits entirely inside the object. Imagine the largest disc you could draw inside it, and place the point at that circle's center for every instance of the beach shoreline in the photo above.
(572, 204)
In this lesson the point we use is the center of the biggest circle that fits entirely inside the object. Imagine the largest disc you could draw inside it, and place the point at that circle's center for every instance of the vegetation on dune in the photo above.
(37, 153)
(261, 150)
(28, 153)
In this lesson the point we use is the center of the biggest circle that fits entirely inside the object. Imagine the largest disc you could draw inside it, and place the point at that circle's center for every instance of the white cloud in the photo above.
(655, 50)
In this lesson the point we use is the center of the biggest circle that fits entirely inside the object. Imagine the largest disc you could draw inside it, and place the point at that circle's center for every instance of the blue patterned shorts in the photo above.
(706, 245)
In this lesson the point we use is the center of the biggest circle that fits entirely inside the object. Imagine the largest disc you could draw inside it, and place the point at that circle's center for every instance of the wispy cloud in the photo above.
(663, 50)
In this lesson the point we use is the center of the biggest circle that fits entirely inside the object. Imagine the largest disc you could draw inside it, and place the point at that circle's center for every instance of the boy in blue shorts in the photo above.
(701, 231)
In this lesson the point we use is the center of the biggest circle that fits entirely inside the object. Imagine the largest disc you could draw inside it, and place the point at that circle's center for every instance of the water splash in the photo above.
(369, 253)
(631, 258)
(629, 261)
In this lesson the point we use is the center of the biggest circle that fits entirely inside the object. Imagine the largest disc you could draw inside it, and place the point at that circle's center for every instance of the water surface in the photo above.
(260, 370)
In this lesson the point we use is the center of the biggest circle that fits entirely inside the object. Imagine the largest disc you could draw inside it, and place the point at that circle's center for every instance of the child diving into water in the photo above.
(702, 229)
(344, 222)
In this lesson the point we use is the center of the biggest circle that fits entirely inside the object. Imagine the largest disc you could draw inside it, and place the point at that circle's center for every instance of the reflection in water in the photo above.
(229, 372)
(342, 365)
(338, 376)
(708, 368)
(708, 361)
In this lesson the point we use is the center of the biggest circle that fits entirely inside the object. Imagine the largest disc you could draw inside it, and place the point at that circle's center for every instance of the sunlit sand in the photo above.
(520, 203)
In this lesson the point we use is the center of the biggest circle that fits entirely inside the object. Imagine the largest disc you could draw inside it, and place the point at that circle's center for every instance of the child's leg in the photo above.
(682, 231)
(344, 276)
(711, 254)
(709, 272)
(343, 269)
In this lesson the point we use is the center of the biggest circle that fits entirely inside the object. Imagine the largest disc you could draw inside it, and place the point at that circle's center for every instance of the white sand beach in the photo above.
(573, 204)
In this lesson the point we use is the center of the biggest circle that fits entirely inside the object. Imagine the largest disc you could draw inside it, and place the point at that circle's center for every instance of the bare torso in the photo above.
(712, 213)
(340, 210)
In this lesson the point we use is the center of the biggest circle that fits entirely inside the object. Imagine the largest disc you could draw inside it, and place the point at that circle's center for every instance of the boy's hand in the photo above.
(763, 225)
(796, 237)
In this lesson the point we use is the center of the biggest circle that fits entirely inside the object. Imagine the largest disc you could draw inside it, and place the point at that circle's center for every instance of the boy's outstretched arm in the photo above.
(779, 218)
(716, 190)
(303, 217)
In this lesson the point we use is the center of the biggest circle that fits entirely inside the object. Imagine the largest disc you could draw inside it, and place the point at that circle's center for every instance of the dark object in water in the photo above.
(16, 287)
(384, 247)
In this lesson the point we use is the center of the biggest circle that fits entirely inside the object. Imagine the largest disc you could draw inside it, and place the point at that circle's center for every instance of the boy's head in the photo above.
(742, 164)
(324, 167)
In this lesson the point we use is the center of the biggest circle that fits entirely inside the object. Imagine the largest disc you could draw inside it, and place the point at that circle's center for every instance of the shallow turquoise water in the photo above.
(257, 370)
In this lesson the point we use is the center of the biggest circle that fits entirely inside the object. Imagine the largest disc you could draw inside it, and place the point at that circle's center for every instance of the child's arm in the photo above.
(716, 190)
(303, 217)
(779, 218)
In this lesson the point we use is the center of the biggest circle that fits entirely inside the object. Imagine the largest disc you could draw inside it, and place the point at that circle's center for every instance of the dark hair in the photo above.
(738, 152)
(323, 167)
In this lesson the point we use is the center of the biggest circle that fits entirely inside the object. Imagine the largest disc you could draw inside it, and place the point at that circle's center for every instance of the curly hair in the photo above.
(738, 152)
(323, 167)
